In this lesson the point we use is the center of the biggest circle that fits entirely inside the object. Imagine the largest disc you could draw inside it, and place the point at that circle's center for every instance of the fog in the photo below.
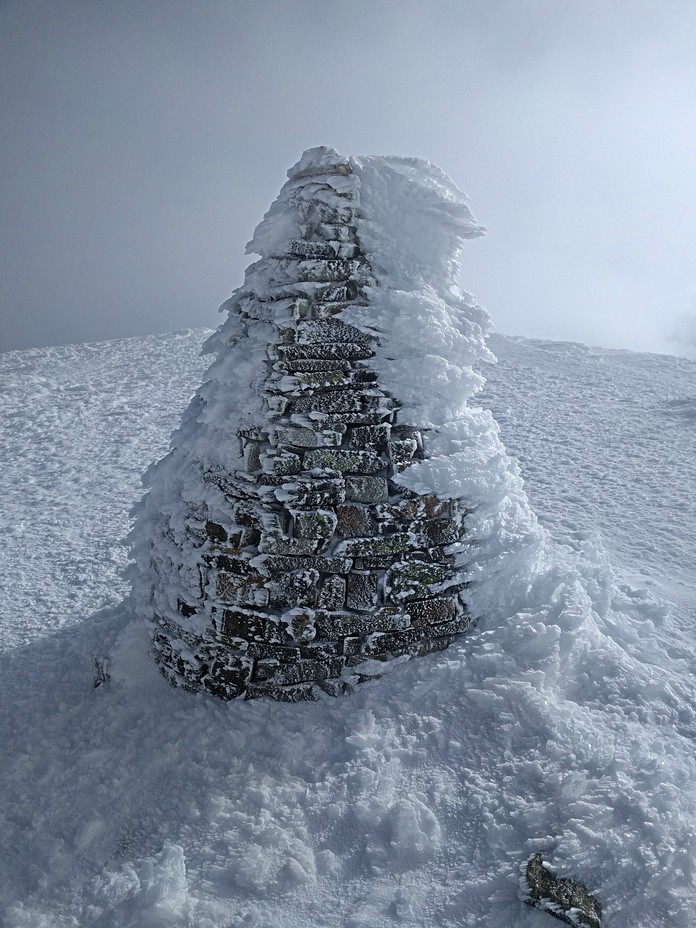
(142, 142)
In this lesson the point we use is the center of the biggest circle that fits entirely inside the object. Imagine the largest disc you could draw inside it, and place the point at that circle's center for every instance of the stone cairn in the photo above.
(324, 568)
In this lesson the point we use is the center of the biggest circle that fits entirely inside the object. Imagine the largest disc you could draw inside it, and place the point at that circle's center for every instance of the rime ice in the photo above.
(313, 517)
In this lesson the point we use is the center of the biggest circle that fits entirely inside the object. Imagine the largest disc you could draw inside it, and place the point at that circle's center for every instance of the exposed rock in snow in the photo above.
(316, 510)
(566, 899)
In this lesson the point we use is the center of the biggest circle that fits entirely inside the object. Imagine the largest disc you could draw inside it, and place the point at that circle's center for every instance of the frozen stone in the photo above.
(362, 590)
(332, 595)
(346, 462)
(366, 489)
(566, 899)
(319, 523)
(314, 552)
(354, 521)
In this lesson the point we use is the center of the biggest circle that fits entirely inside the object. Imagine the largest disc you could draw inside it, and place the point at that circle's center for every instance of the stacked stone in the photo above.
(324, 566)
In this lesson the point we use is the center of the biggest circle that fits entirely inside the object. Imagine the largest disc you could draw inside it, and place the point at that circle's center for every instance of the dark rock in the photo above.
(215, 531)
(259, 626)
(332, 595)
(318, 523)
(325, 351)
(345, 462)
(566, 899)
(366, 489)
(354, 521)
(362, 591)
(429, 611)
(373, 437)
(346, 624)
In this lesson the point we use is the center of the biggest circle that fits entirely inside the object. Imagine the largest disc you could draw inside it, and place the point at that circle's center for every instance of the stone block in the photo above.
(227, 676)
(305, 671)
(371, 437)
(373, 563)
(245, 623)
(414, 579)
(366, 489)
(252, 456)
(312, 365)
(345, 462)
(373, 417)
(438, 532)
(402, 452)
(430, 611)
(332, 595)
(566, 899)
(284, 464)
(325, 269)
(351, 646)
(334, 625)
(354, 521)
(215, 531)
(338, 401)
(298, 588)
(310, 493)
(375, 546)
(321, 381)
(317, 523)
(271, 563)
(362, 591)
(326, 351)
(241, 590)
(275, 544)
(304, 249)
(331, 331)
(321, 650)
(279, 652)
(296, 437)
(302, 693)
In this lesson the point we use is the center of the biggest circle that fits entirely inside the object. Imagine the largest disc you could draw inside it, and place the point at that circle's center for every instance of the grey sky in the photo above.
(141, 142)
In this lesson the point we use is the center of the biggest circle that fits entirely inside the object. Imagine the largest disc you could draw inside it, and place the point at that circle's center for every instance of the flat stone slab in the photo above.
(564, 898)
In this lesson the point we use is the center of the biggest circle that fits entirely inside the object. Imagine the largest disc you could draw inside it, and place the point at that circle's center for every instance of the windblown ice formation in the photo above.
(331, 500)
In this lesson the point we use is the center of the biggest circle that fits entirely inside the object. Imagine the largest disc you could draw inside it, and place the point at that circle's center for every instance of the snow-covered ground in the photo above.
(566, 724)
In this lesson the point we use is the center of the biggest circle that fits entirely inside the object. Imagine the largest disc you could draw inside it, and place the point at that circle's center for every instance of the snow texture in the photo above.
(565, 723)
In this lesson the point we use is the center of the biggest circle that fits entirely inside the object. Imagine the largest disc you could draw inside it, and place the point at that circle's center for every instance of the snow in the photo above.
(564, 722)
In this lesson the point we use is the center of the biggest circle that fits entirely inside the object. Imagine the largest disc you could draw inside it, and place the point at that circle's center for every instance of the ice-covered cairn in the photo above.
(310, 522)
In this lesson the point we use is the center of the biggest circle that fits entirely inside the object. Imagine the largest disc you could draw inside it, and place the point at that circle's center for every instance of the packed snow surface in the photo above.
(566, 724)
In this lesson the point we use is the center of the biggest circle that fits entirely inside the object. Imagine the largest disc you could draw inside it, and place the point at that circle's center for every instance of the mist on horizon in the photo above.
(142, 145)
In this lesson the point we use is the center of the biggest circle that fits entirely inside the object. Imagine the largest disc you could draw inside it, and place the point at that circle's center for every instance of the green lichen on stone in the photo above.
(385, 545)
(320, 523)
(414, 579)
(362, 462)
(564, 898)
(317, 380)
